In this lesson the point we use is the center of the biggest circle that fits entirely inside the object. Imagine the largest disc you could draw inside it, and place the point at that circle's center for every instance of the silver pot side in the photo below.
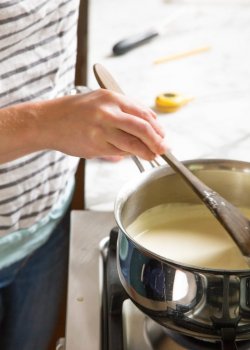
(191, 300)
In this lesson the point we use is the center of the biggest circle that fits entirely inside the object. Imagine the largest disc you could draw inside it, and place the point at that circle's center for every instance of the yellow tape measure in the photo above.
(170, 102)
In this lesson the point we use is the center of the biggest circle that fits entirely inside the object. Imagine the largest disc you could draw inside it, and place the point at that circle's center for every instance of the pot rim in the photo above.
(193, 164)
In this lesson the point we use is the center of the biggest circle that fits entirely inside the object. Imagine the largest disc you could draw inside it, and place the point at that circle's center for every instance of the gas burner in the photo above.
(125, 327)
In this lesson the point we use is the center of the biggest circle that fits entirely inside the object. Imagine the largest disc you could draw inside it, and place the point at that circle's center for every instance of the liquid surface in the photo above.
(188, 234)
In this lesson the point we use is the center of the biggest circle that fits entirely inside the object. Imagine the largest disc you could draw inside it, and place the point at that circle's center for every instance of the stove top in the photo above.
(125, 327)
(100, 316)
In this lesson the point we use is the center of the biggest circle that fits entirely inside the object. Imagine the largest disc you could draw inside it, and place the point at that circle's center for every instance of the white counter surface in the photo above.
(83, 307)
(216, 124)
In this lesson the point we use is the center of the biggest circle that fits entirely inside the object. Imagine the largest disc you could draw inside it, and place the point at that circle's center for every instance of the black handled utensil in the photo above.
(228, 215)
(134, 41)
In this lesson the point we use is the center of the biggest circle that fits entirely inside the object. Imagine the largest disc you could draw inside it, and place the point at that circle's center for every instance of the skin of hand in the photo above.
(96, 124)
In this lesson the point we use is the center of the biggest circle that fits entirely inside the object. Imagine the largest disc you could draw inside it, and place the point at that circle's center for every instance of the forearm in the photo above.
(31, 127)
(19, 131)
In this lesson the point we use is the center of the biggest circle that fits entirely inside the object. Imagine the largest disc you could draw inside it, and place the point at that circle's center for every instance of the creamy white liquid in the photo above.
(188, 234)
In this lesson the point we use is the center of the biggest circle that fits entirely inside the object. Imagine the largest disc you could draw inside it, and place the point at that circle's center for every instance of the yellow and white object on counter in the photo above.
(170, 101)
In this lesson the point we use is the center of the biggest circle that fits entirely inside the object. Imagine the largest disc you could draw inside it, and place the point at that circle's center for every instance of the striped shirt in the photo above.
(37, 62)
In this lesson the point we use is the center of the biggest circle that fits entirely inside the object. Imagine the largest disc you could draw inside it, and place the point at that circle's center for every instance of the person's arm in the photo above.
(100, 123)
(19, 131)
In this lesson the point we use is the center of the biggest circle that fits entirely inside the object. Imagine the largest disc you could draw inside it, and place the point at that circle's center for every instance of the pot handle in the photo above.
(228, 339)
(229, 346)
(138, 164)
(154, 163)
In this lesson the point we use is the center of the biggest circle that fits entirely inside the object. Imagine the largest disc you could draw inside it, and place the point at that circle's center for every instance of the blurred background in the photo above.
(200, 49)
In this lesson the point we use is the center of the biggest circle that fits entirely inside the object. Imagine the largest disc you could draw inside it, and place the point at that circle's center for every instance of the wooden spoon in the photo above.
(228, 215)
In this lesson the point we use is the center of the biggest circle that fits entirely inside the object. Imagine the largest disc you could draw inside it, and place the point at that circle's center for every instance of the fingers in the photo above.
(142, 130)
(136, 108)
(140, 111)
(130, 144)
(113, 159)
(141, 134)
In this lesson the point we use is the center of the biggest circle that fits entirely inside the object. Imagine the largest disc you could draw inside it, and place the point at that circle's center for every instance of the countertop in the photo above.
(83, 307)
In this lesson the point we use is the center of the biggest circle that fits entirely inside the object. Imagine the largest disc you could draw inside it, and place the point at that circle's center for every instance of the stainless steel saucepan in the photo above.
(214, 303)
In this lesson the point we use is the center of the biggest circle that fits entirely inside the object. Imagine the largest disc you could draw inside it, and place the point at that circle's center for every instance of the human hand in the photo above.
(102, 123)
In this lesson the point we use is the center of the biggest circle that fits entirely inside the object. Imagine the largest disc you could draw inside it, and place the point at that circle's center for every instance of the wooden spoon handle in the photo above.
(105, 80)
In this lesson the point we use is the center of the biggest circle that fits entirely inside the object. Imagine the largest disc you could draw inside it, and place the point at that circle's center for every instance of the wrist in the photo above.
(48, 118)
(32, 127)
